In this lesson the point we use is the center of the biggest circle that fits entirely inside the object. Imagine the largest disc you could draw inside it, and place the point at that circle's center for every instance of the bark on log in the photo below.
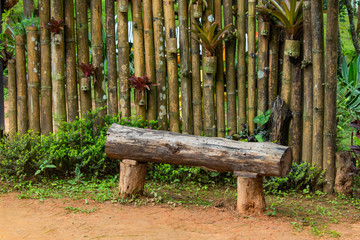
(217, 154)
(345, 172)
(132, 178)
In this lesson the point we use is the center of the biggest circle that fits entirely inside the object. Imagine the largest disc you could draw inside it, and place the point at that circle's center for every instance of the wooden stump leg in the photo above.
(251, 198)
(132, 178)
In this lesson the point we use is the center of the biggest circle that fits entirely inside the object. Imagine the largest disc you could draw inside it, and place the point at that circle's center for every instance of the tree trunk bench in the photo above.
(248, 161)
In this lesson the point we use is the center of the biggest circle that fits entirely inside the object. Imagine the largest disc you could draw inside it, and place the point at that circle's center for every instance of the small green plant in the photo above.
(261, 133)
(80, 210)
(271, 210)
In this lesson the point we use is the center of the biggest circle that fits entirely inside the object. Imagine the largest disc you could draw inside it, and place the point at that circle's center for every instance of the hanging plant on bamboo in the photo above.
(88, 72)
(210, 38)
(140, 84)
(196, 7)
(288, 15)
(55, 28)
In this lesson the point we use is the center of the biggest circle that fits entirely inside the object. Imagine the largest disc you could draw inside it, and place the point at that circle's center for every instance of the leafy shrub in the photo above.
(77, 149)
(302, 176)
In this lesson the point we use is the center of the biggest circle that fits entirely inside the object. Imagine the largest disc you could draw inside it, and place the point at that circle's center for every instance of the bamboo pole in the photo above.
(111, 58)
(82, 36)
(251, 67)
(98, 58)
(185, 76)
(139, 58)
(263, 66)
(28, 8)
(70, 54)
(318, 81)
(149, 59)
(219, 78)
(123, 59)
(171, 52)
(230, 48)
(33, 78)
(273, 64)
(209, 113)
(160, 62)
(12, 113)
(308, 85)
(286, 80)
(241, 74)
(45, 66)
(57, 67)
(330, 93)
(196, 79)
(22, 96)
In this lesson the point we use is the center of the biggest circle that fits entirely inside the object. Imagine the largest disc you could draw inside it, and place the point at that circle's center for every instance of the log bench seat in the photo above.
(248, 161)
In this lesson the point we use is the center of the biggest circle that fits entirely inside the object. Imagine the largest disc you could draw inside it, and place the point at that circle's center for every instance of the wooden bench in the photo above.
(248, 161)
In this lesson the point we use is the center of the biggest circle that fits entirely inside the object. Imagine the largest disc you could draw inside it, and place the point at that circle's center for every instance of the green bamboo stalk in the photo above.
(219, 79)
(12, 113)
(82, 36)
(33, 78)
(139, 58)
(149, 59)
(330, 93)
(22, 96)
(45, 66)
(308, 85)
(251, 67)
(230, 48)
(98, 58)
(273, 64)
(160, 61)
(57, 67)
(123, 59)
(171, 52)
(111, 58)
(70, 54)
(241, 74)
(318, 78)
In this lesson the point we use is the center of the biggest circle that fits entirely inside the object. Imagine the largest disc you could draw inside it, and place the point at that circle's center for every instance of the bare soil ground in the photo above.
(56, 219)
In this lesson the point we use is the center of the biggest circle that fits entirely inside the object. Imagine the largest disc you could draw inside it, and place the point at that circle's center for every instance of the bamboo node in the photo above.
(148, 31)
(296, 113)
(317, 51)
(45, 42)
(59, 78)
(33, 85)
(157, 19)
(70, 40)
(45, 88)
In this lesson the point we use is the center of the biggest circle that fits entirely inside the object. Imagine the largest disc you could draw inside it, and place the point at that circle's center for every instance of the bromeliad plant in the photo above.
(287, 14)
(56, 26)
(210, 37)
(87, 69)
(140, 84)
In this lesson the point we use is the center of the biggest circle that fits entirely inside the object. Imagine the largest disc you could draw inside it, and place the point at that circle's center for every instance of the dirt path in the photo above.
(49, 219)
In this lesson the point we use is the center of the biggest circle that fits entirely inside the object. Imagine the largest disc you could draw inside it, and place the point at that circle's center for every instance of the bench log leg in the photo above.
(250, 195)
(132, 178)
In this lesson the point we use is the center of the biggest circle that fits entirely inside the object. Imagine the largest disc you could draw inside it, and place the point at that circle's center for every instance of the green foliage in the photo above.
(77, 150)
(18, 24)
(302, 177)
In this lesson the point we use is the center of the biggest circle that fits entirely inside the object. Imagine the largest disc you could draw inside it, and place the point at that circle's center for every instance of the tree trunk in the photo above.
(22, 95)
(251, 67)
(241, 73)
(354, 37)
(218, 154)
(308, 85)
(330, 93)
(345, 172)
(250, 197)
(12, 113)
(132, 178)
(296, 109)
(160, 62)
(57, 65)
(280, 120)
(123, 59)
(149, 59)
(28, 8)
(45, 66)
(273, 63)
(185, 69)
(71, 78)
(139, 58)
(111, 58)
(318, 76)
(33, 78)
(230, 48)
(196, 79)
(82, 37)
(171, 52)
